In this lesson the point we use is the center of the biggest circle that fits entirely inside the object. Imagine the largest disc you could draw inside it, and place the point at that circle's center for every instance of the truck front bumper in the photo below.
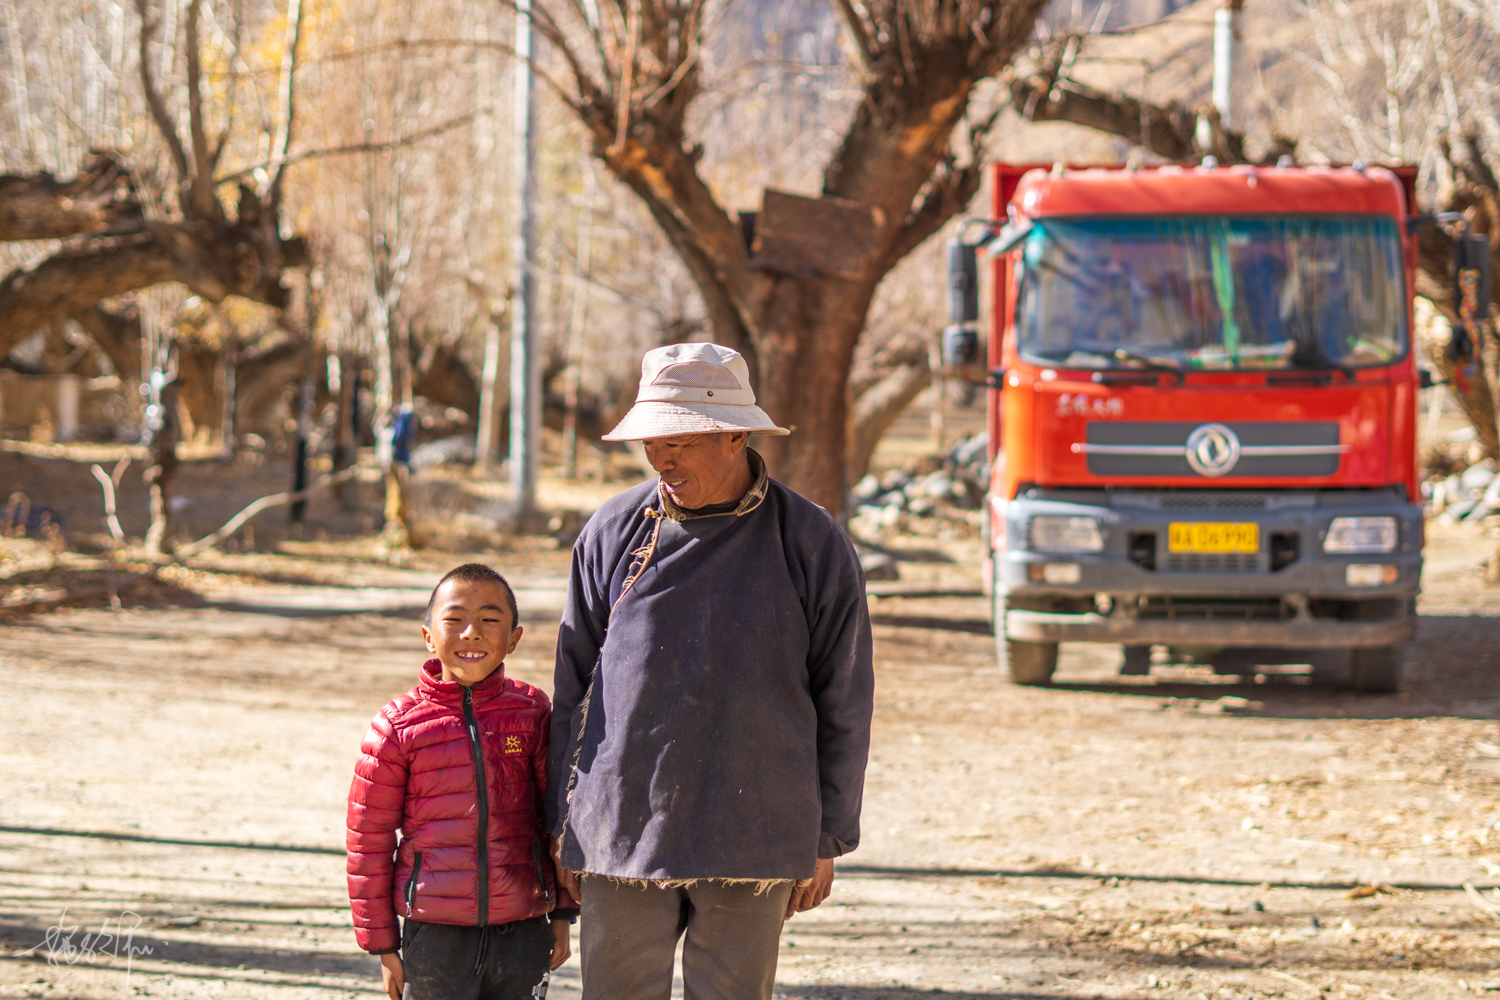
(1294, 633)
(1137, 591)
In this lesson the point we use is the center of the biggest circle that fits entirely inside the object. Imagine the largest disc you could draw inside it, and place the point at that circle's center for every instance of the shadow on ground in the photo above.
(897, 993)
(1452, 669)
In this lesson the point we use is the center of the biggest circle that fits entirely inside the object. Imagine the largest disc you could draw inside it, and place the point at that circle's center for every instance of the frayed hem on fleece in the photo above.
(762, 885)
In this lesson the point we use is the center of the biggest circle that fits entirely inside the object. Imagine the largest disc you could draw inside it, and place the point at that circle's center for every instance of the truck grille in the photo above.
(1217, 562)
(1234, 501)
(1260, 448)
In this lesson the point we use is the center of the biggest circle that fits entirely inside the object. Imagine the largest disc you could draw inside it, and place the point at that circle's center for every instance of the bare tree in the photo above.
(200, 245)
(791, 285)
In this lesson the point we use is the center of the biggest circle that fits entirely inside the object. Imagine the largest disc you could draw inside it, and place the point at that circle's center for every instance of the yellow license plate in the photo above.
(1204, 536)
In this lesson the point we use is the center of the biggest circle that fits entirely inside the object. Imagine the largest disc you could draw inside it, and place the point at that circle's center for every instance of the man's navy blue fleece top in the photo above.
(728, 727)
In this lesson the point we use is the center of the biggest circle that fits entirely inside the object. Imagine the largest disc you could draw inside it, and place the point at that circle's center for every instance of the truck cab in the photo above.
(1202, 414)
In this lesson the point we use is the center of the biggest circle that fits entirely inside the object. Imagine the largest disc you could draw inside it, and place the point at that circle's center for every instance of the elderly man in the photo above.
(714, 688)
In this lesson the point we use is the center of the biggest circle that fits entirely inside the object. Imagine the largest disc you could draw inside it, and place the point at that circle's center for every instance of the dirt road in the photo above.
(1172, 836)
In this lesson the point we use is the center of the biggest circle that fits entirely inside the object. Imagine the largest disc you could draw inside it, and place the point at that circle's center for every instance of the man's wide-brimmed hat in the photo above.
(693, 389)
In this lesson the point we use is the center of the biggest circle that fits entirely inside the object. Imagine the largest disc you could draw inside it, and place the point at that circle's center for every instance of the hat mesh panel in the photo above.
(696, 375)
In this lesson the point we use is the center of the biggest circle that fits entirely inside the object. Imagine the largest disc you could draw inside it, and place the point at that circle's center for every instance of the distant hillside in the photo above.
(1116, 13)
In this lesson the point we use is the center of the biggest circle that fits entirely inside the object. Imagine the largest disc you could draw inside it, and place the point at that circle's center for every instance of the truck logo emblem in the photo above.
(1212, 450)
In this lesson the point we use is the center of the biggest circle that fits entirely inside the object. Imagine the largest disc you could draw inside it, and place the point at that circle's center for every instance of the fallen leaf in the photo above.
(1366, 891)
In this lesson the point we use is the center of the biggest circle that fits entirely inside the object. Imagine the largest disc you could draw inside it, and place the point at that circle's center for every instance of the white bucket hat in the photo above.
(693, 389)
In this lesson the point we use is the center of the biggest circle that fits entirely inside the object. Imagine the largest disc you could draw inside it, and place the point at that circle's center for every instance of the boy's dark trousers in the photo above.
(500, 962)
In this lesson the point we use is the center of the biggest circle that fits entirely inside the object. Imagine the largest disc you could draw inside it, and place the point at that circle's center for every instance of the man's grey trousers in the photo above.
(629, 934)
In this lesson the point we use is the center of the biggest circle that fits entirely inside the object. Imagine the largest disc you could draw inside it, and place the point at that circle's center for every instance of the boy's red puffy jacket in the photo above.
(416, 773)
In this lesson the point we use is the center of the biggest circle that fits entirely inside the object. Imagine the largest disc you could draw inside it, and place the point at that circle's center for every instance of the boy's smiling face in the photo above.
(470, 631)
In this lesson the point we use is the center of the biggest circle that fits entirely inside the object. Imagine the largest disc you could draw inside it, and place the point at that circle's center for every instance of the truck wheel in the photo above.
(1031, 663)
(1376, 669)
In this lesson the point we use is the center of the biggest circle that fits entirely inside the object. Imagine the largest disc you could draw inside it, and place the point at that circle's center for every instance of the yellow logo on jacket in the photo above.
(513, 745)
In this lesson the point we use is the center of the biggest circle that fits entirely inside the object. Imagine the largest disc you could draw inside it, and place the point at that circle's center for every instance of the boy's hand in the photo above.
(394, 974)
(566, 876)
(805, 897)
(562, 945)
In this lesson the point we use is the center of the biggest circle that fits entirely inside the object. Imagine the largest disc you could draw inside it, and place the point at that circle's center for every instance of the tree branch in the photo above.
(360, 147)
(862, 46)
(74, 279)
(213, 261)
(159, 113)
(724, 313)
(264, 503)
(1166, 130)
(877, 408)
(205, 203)
(100, 200)
(949, 193)
(287, 98)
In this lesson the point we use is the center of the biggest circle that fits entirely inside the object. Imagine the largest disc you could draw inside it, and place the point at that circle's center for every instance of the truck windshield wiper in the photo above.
(1310, 357)
(1322, 366)
(1121, 354)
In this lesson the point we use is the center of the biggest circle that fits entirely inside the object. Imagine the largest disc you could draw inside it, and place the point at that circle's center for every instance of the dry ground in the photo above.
(176, 771)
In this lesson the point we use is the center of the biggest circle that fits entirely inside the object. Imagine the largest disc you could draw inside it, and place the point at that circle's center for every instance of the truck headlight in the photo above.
(1361, 534)
(1066, 534)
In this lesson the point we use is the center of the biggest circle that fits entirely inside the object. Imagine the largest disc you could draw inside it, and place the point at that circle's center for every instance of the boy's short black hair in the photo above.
(474, 573)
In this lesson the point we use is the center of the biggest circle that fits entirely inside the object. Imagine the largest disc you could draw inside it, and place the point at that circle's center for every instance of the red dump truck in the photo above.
(1202, 415)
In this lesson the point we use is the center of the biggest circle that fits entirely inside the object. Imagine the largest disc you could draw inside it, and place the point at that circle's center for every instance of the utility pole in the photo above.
(525, 392)
(1228, 31)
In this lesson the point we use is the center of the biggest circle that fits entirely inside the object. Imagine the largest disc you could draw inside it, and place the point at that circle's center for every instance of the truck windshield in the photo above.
(1213, 292)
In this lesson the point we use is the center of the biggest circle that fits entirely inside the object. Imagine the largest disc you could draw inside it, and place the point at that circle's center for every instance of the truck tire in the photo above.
(1137, 661)
(1030, 663)
(1377, 669)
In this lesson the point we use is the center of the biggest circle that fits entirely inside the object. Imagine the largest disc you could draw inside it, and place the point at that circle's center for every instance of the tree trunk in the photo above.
(200, 402)
(118, 335)
(805, 356)
(1472, 386)
(344, 443)
(443, 378)
(261, 385)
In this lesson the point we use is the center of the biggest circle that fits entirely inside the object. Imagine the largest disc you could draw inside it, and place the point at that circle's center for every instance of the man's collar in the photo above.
(751, 500)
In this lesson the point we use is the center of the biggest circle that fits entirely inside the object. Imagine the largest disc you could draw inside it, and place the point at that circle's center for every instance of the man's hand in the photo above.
(805, 897)
(394, 974)
(562, 945)
(565, 876)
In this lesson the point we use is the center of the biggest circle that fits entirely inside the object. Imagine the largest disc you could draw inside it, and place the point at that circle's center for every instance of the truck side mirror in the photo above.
(1471, 274)
(963, 282)
(960, 346)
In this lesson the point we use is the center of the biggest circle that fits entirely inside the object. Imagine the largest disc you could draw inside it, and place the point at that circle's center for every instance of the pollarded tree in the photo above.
(790, 285)
(115, 248)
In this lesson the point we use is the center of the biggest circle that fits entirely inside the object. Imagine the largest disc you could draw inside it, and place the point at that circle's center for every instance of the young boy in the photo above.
(458, 764)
